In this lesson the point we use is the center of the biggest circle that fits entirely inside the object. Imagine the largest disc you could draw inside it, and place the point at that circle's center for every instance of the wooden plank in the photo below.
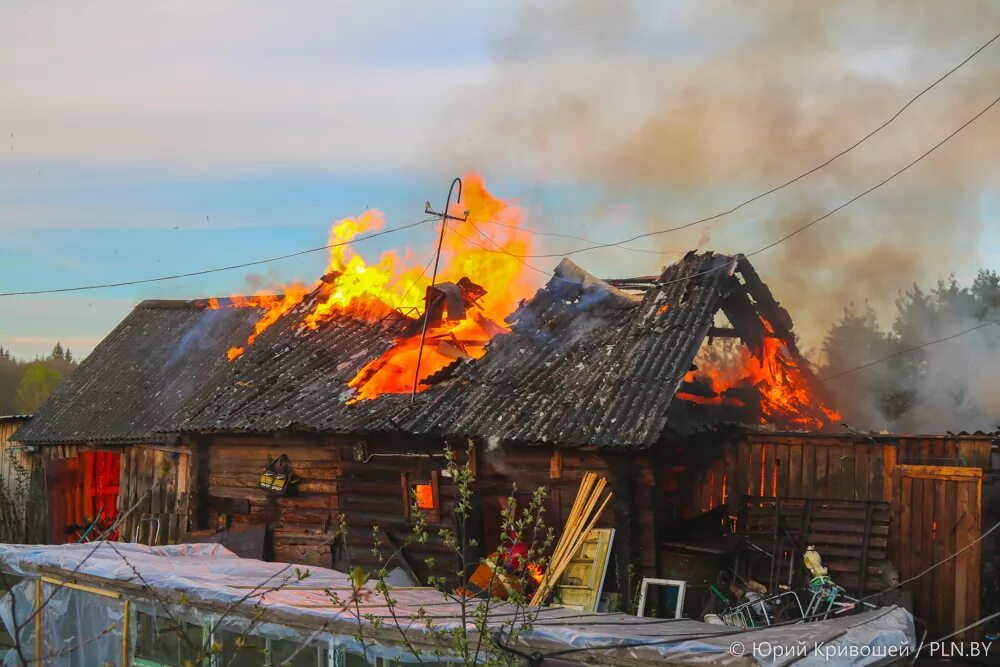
(769, 457)
(947, 532)
(975, 566)
(963, 530)
(926, 584)
(743, 471)
(941, 472)
(862, 466)
(873, 485)
(808, 471)
(794, 471)
(820, 488)
(912, 504)
(939, 593)
(755, 472)
(888, 473)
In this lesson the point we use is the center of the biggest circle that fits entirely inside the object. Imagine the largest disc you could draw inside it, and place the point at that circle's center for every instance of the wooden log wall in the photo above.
(371, 492)
(303, 523)
(632, 512)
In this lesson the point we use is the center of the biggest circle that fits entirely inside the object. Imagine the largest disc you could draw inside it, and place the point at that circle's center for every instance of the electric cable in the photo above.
(776, 188)
(907, 351)
(231, 267)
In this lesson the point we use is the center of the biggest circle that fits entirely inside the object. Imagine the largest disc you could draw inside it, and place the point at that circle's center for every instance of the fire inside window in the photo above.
(423, 495)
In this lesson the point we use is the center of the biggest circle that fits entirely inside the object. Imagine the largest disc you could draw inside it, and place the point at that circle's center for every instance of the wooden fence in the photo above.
(933, 485)
(161, 515)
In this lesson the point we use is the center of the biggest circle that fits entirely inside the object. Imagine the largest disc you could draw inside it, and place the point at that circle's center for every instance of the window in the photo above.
(423, 495)
(421, 491)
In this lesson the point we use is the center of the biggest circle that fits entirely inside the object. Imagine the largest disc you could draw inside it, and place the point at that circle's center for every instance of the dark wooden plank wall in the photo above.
(846, 467)
(370, 492)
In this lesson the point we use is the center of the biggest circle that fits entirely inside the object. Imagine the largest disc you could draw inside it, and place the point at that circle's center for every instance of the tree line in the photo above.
(949, 385)
(26, 384)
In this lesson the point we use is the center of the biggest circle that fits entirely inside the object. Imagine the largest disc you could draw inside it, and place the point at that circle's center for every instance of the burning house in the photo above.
(358, 395)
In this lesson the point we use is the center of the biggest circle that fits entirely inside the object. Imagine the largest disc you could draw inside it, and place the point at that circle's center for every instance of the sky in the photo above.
(139, 140)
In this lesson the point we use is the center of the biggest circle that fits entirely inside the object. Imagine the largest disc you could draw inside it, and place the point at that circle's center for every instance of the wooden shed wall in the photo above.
(12, 456)
(822, 467)
(932, 483)
(154, 483)
(23, 505)
(370, 492)
(303, 524)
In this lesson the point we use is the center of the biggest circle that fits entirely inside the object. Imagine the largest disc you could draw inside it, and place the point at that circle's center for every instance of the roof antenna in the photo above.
(444, 217)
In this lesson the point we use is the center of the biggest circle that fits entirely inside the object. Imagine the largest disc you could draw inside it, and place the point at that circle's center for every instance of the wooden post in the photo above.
(38, 622)
(125, 631)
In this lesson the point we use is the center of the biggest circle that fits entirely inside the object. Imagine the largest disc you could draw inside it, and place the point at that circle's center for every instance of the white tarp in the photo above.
(211, 573)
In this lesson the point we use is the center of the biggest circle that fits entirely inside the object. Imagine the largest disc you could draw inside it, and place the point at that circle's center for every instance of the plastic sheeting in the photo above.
(302, 606)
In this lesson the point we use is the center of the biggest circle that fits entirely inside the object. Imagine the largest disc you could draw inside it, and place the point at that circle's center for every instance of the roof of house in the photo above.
(152, 363)
(585, 364)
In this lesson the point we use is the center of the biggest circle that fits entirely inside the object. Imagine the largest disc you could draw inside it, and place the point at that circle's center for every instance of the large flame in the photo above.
(469, 251)
(787, 394)
(473, 248)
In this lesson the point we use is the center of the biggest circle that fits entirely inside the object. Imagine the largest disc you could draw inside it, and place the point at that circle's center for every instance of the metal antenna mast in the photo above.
(443, 215)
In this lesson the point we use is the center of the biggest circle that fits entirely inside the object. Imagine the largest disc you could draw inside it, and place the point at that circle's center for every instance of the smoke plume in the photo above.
(668, 112)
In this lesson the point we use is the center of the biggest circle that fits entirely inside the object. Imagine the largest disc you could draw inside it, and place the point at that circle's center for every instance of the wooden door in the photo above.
(936, 513)
(157, 504)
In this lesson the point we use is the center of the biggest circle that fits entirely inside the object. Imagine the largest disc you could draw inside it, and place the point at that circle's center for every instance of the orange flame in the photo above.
(491, 263)
(786, 392)
(472, 249)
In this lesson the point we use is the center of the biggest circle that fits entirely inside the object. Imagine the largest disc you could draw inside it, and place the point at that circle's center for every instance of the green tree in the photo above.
(37, 383)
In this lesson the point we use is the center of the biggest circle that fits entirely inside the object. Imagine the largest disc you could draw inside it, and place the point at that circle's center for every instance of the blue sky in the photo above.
(139, 141)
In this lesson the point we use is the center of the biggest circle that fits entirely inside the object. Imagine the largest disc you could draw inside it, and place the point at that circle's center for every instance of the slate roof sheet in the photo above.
(137, 378)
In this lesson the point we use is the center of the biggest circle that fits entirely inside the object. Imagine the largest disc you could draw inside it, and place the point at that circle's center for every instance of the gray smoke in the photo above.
(668, 112)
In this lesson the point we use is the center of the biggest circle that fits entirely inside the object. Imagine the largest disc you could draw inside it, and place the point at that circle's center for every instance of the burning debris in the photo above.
(770, 385)
(476, 298)
(462, 316)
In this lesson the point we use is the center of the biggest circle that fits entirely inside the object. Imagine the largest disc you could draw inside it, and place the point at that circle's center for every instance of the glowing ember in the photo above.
(372, 291)
(786, 394)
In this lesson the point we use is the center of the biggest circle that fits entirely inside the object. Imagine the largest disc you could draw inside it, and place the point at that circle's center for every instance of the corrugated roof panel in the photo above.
(584, 365)
(140, 375)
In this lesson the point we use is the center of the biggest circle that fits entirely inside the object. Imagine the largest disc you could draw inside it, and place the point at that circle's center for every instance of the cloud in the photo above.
(215, 86)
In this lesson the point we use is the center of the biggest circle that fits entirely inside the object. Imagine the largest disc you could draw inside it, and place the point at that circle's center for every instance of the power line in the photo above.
(535, 232)
(776, 188)
(828, 213)
(908, 350)
(231, 267)
(618, 244)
